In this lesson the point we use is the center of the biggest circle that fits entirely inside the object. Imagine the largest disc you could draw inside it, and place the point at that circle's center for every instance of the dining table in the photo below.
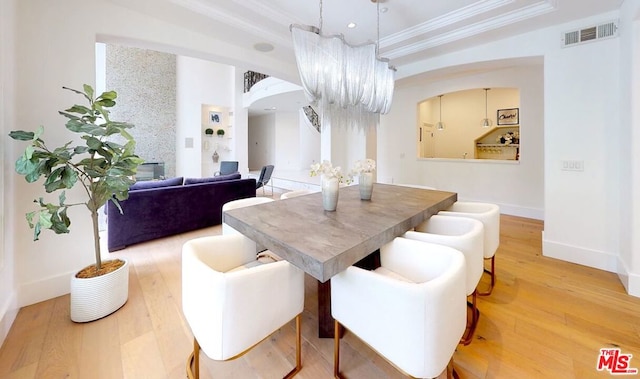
(324, 243)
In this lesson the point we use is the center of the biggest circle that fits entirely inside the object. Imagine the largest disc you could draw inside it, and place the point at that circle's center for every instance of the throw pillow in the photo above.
(220, 178)
(148, 184)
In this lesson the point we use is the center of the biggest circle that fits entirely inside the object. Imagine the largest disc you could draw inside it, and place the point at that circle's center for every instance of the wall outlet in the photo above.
(572, 165)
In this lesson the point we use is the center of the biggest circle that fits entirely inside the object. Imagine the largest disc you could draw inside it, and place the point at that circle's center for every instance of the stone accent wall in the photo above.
(145, 81)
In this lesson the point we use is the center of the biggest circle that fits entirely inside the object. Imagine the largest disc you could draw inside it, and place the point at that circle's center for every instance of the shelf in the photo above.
(497, 145)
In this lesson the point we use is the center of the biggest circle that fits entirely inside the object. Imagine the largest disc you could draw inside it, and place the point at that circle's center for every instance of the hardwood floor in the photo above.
(545, 319)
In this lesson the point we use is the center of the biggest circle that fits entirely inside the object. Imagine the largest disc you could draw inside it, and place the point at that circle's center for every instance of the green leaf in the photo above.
(109, 95)
(21, 135)
(106, 103)
(81, 109)
(88, 90)
(79, 93)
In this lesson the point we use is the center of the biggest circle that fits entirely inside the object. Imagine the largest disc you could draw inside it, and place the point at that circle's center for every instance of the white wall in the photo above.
(629, 147)
(202, 86)
(8, 293)
(67, 58)
(262, 141)
(582, 96)
(309, 144)
(516, 186)
(287, 146)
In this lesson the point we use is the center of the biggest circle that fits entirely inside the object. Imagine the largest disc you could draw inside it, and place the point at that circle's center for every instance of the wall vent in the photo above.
(590, 33)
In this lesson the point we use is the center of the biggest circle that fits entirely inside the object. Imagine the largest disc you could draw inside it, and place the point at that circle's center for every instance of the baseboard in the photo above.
(8, 314)
(630, 280)
(574, 254)
(45, 289)
(514, 210)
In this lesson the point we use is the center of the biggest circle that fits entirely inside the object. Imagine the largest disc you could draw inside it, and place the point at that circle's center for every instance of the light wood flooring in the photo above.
(545, 319)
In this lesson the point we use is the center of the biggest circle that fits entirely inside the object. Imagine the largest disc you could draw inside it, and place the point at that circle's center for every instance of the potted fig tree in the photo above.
(105, 170)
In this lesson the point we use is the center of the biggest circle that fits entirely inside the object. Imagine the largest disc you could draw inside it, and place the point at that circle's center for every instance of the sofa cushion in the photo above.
(219, 178)
(148, 184)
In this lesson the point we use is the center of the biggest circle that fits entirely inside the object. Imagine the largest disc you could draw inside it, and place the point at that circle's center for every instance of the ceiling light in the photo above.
(351, 25)
(263, 47)
(486, 122)
(350, 84)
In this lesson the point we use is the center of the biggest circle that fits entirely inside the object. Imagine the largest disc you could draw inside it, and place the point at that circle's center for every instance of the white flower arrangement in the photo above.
(509, 138)
(362, 166)
(327, 170)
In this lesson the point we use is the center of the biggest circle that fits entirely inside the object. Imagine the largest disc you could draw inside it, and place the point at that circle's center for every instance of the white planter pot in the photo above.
(94, 298)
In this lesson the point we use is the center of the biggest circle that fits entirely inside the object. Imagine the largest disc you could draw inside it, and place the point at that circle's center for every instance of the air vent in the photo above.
(590, 33)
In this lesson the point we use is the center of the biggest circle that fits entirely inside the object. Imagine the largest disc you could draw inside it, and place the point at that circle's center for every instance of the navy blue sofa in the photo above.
(163, 208)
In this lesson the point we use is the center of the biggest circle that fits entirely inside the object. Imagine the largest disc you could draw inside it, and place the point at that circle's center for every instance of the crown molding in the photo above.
(471, 30)
(450, 18)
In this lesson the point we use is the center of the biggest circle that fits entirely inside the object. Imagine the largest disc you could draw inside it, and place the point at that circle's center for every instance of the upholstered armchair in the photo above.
(489, 215)
(411, 310)
(467, 236)
(232, 299)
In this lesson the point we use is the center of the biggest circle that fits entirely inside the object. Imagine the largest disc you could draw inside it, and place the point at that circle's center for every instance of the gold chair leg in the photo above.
(467, 337)
(193, 362)
(451, 371)
(336, 350)
(298, 367)
(492, 274)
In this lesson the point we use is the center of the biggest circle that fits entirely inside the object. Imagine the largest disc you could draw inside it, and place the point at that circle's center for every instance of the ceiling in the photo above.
(409, 30)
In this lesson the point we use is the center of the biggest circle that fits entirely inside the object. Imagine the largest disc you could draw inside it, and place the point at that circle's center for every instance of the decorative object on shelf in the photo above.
(208, 132)
(215, 156)
(509, 116)
(364, 169)
(440, 124)
(220, 133)
(215, 117)
(486, 122)
(105, 169)
(350, 85)
(509, 138)
(331, 179)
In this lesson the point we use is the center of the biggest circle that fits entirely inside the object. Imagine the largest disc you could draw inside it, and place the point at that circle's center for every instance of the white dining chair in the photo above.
(233, 299)
(411, 310)
(489, 215)
(240, 203)
(467, 236)
(296, 193)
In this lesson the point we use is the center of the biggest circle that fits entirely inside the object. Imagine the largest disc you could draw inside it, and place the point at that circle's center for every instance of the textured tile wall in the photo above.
(145, 81)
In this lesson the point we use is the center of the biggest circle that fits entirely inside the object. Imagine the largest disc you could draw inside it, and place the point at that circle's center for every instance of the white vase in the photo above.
(330, 191)
(94, 298)
(365, 184)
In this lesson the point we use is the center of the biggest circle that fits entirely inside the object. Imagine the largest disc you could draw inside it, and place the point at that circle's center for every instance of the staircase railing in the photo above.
(312, 116)
(251, 78)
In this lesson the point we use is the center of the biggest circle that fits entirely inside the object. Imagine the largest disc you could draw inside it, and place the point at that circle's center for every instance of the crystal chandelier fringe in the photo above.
(349, 83)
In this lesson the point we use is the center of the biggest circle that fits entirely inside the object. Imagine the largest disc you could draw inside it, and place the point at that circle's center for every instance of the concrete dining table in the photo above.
(323, 243)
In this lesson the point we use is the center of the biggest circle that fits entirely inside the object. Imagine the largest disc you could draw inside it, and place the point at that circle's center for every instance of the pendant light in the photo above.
(440, 124)
(486, 122)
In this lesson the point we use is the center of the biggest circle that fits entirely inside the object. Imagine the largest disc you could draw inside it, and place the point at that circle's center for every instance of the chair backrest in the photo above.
(461, 233)
(265, 176)
(240, 203)
(487, 213)
(228, 167)
(296, 193)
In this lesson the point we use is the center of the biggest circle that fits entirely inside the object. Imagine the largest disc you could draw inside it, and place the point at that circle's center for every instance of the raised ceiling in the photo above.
(409, 30)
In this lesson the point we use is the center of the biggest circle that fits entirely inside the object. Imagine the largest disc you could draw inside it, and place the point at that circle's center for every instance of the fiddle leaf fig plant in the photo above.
(104, 169)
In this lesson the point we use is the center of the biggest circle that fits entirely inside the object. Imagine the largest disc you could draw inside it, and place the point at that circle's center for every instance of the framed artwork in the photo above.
(215, 117)
(509, 116)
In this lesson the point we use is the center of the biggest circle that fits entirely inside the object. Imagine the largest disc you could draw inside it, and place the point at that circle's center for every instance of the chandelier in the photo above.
(350, 84)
